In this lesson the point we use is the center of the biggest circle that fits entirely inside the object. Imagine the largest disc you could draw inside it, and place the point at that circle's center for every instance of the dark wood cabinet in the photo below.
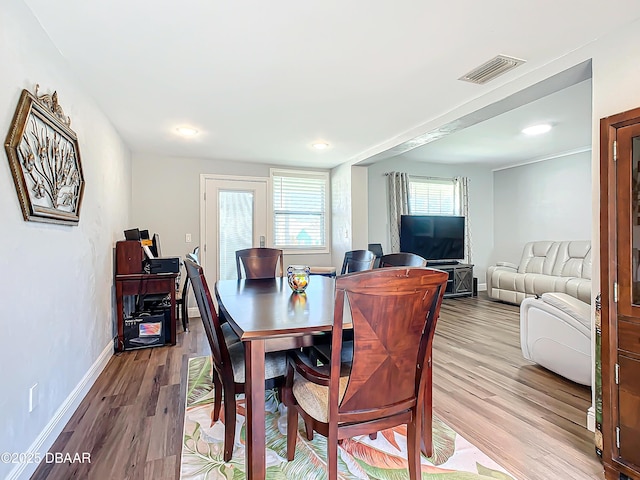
(460, 283)
(132, 286)
(620, 285)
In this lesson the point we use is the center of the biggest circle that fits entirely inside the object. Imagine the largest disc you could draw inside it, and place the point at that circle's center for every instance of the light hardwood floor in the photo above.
(527, 419)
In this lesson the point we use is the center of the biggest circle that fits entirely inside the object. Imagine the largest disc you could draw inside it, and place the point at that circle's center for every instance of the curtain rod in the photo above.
(422, 176)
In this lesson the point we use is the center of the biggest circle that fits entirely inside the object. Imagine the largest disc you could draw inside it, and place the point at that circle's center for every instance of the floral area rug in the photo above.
(384, 458)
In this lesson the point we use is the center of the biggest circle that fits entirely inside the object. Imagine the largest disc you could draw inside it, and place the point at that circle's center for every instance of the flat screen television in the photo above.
(433, 237)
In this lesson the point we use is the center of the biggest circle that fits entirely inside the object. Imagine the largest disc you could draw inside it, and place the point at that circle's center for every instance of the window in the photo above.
(433, 196)
(300, 210)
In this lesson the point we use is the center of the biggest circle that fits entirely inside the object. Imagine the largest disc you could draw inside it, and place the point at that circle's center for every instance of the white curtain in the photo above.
(398, 184)
(462, 208)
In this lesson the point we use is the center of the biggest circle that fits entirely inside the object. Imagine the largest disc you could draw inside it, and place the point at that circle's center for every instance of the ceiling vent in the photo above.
(491, 69)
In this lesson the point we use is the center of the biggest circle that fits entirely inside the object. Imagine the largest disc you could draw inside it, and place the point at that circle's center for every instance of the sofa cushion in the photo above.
(579, 288)
(538, 257)
(573, 260)
(537, 283)
(506, 279)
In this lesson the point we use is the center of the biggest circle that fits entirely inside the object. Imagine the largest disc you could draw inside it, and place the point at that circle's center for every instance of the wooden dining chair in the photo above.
(228, 359)
(357, 261)
(394, 313)
(402, 259)
(182, 296)
(354, 261)
(259, 263)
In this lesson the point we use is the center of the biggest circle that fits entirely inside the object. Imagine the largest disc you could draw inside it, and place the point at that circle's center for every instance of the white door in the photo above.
(233, 217)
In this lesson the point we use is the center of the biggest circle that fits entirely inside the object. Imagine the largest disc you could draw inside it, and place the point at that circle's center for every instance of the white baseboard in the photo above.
(591, 419)
(45, 440)
(482, 287)
(193, 312)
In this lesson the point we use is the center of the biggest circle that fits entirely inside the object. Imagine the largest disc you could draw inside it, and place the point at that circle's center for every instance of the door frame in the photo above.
(233, 178)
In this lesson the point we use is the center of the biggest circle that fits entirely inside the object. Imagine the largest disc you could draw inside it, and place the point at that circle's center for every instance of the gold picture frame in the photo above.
(44, 157)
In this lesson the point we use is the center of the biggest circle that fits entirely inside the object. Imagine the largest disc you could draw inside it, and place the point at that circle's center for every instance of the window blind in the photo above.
(299, 209)
(432, 196)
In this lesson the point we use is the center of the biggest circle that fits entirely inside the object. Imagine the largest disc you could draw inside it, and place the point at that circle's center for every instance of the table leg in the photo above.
(120, 314)
(427, 414)
(172, 334)
(255, 420)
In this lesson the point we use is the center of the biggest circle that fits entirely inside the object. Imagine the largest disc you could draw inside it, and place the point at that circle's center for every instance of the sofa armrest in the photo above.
(510, 265)
(574, 308)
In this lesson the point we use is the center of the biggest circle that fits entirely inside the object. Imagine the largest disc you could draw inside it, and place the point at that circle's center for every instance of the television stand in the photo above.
(460, 283)
(433, 263)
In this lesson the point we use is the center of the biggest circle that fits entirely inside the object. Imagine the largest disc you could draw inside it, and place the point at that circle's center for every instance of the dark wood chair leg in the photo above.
(229, 421)
(217, 397)
(413, 446)
(309, 430)
(427, 434)
(185, 316)
(292, 431)
(427, 415)
(332, 452)
(373, 435)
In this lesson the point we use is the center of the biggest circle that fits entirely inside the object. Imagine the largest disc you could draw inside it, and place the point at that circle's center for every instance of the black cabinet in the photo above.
(460, 283)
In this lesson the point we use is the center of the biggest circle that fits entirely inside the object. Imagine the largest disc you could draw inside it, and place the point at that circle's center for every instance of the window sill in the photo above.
(305, 251)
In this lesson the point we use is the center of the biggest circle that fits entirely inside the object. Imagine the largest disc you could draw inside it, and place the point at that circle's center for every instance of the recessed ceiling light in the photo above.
(320, 145)
(537, 129)
(187, 131)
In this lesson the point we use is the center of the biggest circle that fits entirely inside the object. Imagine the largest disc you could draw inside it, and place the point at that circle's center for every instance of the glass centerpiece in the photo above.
(298, 277)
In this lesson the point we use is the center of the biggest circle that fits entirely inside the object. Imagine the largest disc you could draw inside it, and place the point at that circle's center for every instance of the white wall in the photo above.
(549, 200)
(616, 69)
(166, 200)
(480, 204)
(56, 316)
(341, 232)
(359, 208)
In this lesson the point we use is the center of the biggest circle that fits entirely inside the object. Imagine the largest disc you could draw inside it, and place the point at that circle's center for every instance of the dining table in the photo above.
(269, 316)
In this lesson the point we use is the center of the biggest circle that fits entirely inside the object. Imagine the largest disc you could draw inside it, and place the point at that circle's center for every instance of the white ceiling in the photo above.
(263, 80)
(499, 142)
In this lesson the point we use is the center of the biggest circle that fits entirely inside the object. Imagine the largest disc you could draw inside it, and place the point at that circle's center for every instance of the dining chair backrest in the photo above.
(260, 263)
(402, 259)
(376, 248)
(182, 300)
(209, 317)
(195, 255)
(394, 313)
(357, 261)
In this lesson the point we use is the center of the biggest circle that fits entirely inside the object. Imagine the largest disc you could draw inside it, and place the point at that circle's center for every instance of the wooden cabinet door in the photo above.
(628, 325)
(629, 408)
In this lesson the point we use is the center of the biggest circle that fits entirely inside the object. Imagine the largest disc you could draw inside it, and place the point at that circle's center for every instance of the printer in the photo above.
(162, 265)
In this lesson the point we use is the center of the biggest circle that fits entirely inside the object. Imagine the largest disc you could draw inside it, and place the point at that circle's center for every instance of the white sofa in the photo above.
(555, 332)
(563, 267)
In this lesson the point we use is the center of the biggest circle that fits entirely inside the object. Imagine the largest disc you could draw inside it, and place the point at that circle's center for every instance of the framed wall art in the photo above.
(45, 161)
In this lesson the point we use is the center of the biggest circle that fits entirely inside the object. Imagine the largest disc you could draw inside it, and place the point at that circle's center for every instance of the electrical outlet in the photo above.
(33, 398)
(187, 237)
